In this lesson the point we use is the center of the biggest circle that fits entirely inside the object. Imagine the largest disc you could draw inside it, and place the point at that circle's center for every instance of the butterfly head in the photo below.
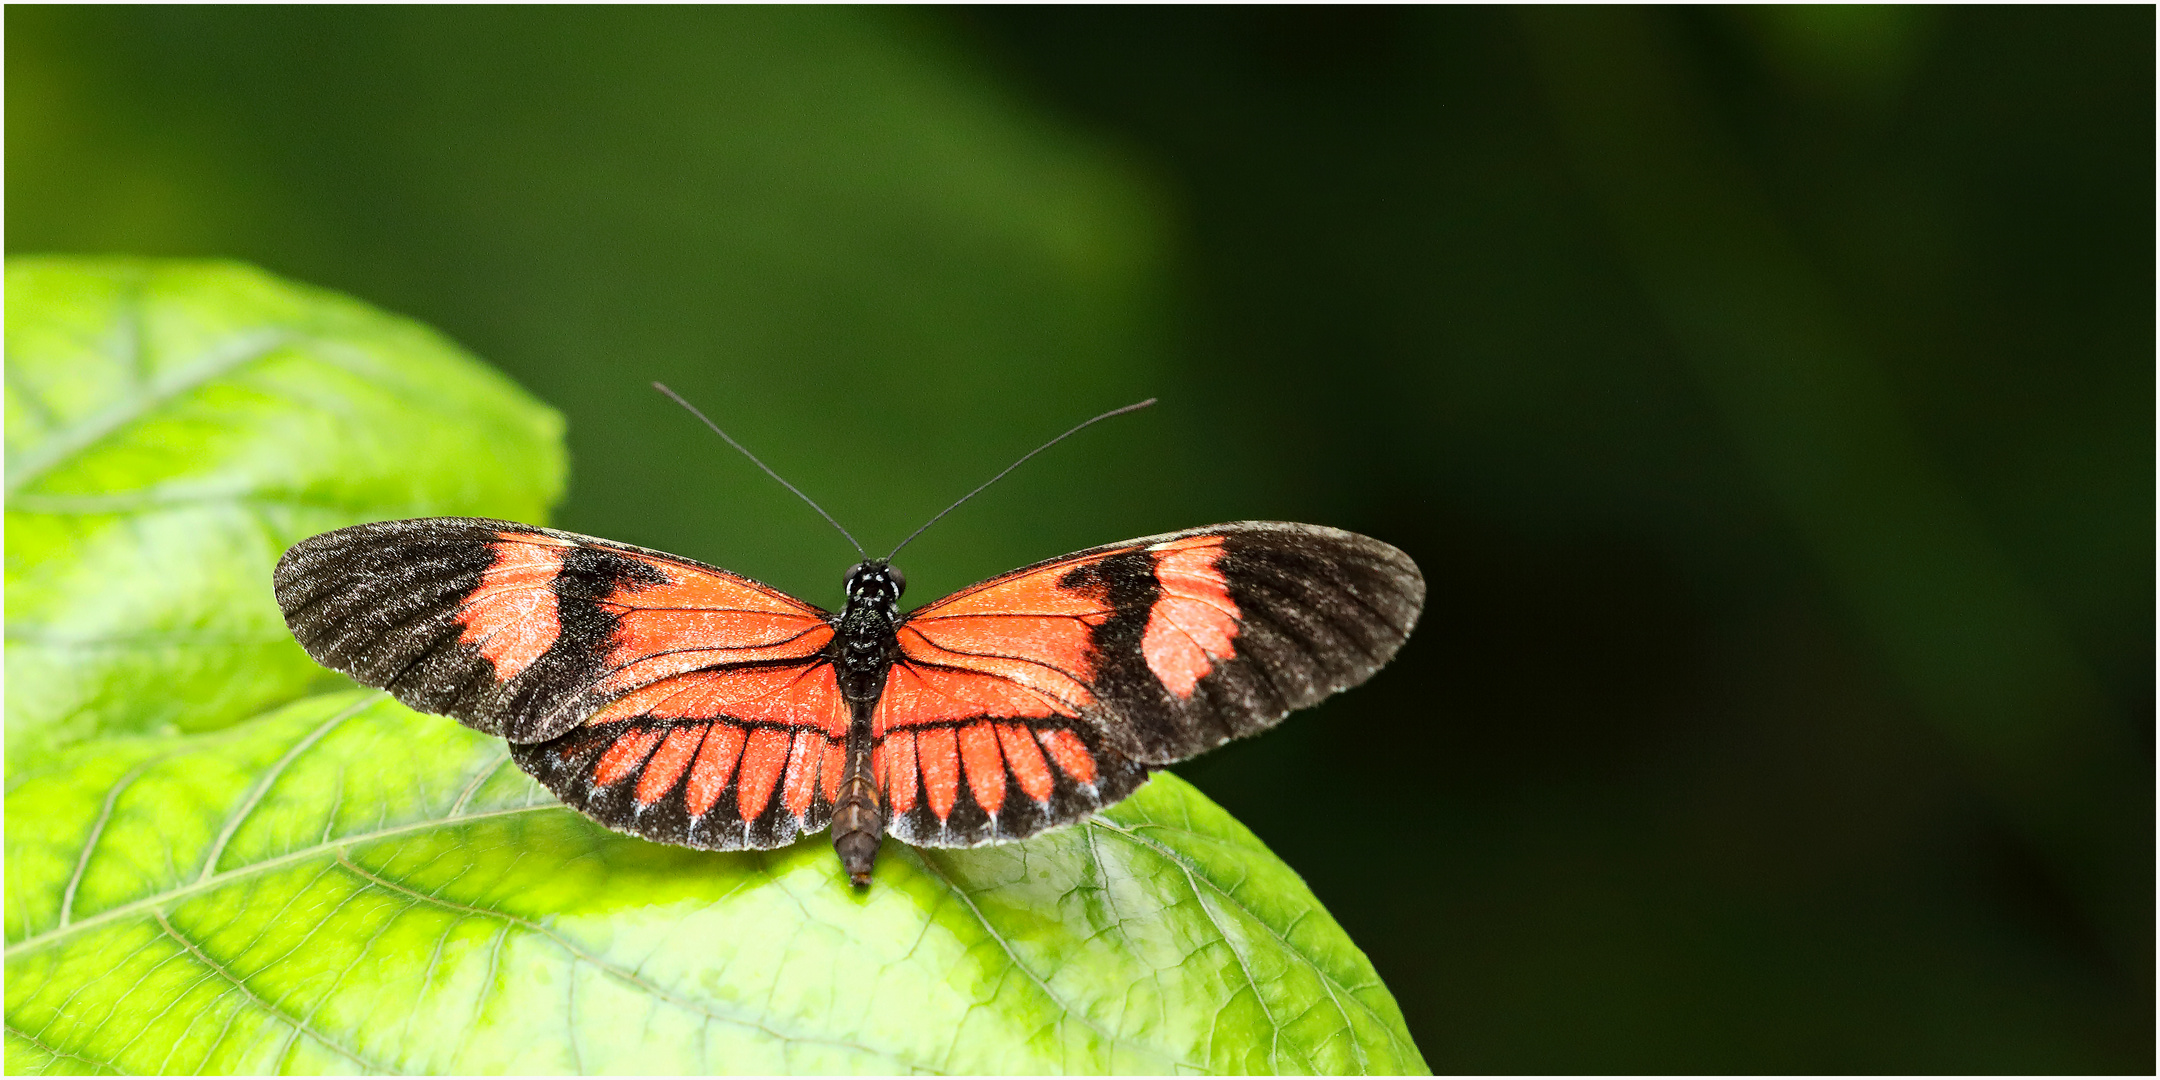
(876, 583)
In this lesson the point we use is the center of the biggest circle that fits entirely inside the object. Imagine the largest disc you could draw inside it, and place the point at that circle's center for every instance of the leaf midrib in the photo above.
(297, 855)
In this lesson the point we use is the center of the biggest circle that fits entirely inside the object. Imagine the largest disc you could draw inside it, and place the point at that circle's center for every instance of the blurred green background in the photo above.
(1766, 393)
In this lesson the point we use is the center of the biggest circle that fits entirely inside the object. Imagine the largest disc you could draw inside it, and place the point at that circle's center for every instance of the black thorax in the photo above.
(864, 638)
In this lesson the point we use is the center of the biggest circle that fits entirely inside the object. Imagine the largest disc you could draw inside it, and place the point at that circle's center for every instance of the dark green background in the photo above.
(1767, 395)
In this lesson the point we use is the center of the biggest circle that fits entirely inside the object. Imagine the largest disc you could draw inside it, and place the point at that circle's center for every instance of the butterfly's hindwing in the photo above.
(981, 780)
(717, 784)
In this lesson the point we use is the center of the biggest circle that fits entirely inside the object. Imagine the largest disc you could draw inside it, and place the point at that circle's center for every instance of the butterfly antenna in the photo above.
(662, 387)
(1134, 407)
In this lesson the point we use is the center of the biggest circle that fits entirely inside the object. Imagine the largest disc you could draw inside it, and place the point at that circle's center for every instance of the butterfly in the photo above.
(676, 701)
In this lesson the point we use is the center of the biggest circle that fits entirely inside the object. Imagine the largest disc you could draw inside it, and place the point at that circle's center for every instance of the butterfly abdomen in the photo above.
(858, 822)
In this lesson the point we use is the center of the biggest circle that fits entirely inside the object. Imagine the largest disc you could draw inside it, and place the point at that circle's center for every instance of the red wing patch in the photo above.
(1021, 645)
(675, 644)
(1072, 755)
(802, 771)
(714, 767)
(984, 765)
(513, 616)
(668, 764)
(695, 619)
(762, 762)
(796, 695)
(917, 696)
(625, 755)
(937, 753)
(1037, 591)
(1025, 759)
(896, 771)
(1192, 622)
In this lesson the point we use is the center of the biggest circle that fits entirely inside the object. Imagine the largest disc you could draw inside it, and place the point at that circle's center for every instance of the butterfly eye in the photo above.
(899, 580)
(853, 581)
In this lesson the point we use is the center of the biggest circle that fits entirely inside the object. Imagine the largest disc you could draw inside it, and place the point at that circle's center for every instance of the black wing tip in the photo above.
(1400, 574)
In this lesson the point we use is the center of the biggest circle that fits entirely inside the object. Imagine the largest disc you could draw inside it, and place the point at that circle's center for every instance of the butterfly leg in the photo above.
(859, 815)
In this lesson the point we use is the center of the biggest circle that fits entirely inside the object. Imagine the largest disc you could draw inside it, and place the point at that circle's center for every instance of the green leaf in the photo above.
(172, 427)
(347, 885)
(334, 883)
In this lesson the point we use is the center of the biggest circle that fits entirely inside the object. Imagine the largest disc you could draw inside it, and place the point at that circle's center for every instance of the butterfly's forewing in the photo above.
(659, 695)
(1036, 697)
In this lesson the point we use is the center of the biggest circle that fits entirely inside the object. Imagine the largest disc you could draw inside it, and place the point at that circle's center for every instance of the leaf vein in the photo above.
(579, 954)
(97, 832)
(299, 1024)
(923, 856)
(220, 360)
(211, 1050)
(57, 1052)
(143, 1028)
(262, 786)
(1136, 837)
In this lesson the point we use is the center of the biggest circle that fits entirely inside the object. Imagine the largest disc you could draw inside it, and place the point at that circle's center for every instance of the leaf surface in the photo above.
(172, 427)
